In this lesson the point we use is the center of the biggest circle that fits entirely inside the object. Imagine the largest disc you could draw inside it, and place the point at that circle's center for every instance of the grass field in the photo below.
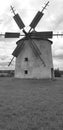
(31, 104)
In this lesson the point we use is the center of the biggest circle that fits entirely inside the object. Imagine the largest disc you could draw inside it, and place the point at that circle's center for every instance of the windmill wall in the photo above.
(29, 66)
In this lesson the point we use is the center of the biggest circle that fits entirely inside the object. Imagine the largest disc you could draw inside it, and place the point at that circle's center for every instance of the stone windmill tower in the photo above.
(33, 52)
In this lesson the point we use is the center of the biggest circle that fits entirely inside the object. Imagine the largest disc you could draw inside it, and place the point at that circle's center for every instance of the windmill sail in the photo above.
(33, 48)
(36, 48)
(10, 61)
(19, 21)
(12, 35)
(36, 19)
(18, 49)
(38, 52)
(41, 35)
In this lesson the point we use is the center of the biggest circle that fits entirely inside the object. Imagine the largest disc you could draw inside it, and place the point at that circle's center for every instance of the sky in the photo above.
(51, 21)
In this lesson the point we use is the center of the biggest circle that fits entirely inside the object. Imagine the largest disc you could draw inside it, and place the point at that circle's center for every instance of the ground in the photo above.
(31, 104)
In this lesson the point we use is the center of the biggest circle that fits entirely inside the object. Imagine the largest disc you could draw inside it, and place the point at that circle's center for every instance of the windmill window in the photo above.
(26, 71)
(26, 58)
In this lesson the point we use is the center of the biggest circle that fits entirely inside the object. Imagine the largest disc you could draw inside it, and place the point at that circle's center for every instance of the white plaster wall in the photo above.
(34, 65)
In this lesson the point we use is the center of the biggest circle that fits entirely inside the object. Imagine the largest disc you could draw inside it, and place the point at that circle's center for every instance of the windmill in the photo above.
(30, 47)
